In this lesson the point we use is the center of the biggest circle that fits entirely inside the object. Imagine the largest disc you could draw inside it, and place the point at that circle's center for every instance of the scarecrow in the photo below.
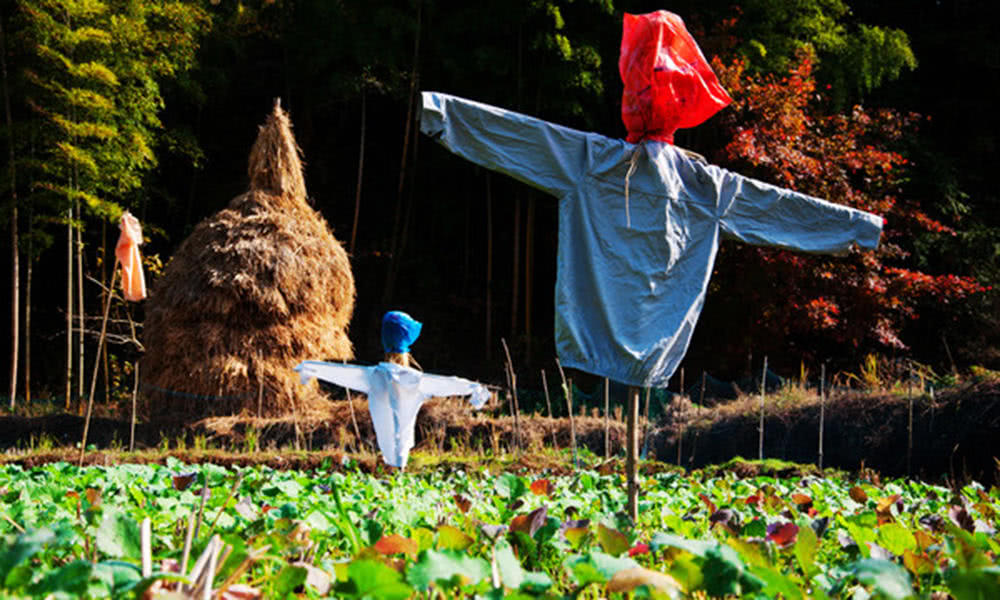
(395, 390)
(640, 220)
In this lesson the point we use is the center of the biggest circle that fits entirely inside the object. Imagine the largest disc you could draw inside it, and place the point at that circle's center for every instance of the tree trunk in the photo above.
(15, 275)
(69, 307)
(29, 268)
(81, 313)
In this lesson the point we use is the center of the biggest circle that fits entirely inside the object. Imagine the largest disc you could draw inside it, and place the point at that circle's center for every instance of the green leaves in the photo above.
(447, 568)
(118, 536)
(370, 579)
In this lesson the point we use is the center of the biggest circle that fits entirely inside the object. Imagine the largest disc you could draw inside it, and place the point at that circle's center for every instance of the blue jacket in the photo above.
(631, 283)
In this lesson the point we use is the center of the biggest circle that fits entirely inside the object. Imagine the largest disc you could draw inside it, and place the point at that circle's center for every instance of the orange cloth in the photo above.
(127, 251)
(668, 83)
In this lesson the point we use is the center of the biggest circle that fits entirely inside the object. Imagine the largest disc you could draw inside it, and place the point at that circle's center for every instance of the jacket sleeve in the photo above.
(353, 377)
(764, 214)
(544, 155)
(440, 386)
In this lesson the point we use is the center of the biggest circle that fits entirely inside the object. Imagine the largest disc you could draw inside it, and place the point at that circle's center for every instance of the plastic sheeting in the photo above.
(668, 83)
(129, 257)
(395, 395)
(399, 331)
(627, 298)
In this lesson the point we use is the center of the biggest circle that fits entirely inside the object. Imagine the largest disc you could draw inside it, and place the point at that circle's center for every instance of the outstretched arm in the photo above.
(354, 377)
(441, 386)
(547, 156)
(764, 214)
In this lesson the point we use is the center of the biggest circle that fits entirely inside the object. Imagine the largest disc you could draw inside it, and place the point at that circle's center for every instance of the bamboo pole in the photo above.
(548, 405)
(97, 363)
(568, 391)
(631, 456)
(680, 434)
(135, 393)
(760, 429)
(909, 424)
(607, 419)
(512, 382)
(822, 409)
(645, 429)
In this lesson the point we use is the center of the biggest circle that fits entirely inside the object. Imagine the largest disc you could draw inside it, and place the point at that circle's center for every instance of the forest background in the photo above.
(152, 107)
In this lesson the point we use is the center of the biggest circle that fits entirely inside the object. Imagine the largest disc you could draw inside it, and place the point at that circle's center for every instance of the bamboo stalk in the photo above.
(607, 419)
(760, 430)
(909, 424)
(822, 409)
(645, 429)
(631, 456)
(548, 405)
(680, 435)
(135, 393)
(568, 391)
(512, 382)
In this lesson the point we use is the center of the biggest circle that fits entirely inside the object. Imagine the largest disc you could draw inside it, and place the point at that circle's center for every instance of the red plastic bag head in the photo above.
(668, 83)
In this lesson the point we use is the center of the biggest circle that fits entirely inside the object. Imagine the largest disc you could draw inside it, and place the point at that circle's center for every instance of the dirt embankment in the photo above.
(954, 435)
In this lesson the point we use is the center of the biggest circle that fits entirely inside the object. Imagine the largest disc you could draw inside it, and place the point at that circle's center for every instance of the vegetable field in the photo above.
(203, 531)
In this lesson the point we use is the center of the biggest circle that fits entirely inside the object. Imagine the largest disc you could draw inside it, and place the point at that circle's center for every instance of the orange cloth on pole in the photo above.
(127, 251)
(668, 83)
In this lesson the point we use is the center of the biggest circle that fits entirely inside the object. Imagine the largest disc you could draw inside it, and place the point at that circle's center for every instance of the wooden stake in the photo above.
(97, 361)
(568, 392)
(680, 435)
(354, 420)
(135, 393)
(909, 425)
(760, 429)
(607, 419)
(645, 428)
(631, 456)
(548, 405)
(822, 409)
(512, 382)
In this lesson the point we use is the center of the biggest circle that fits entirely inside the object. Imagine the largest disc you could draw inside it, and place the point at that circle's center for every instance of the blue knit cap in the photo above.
(399, 330)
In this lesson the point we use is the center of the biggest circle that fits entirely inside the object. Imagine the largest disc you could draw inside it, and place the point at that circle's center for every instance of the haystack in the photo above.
(254, 290)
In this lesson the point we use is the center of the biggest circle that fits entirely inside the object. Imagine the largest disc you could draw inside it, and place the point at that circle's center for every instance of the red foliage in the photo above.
(778, 133)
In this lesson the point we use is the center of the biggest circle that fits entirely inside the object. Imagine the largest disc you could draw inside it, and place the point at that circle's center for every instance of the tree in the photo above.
(779, 132)
(92, 71)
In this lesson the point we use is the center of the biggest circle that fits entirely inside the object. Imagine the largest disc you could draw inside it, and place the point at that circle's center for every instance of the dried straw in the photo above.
(254, 290)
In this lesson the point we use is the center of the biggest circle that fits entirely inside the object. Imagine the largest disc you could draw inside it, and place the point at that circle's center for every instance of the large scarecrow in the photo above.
(640, 220)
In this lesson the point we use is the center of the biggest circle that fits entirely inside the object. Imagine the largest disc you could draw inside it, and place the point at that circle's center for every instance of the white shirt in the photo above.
(628, 296)
(395, 395)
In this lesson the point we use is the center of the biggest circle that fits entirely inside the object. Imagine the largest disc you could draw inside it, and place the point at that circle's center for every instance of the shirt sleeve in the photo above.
(544, 155)
(764, 214)
(440, 386)
(353, 377)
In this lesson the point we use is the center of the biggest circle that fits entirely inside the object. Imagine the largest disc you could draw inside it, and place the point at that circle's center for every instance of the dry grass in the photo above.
(254, 290)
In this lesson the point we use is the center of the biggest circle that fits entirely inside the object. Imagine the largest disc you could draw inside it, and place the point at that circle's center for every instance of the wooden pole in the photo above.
(568, 391)
(607, 419)
(909, 424)
(548, 405)
(631, 456)
(97, 363)
(645, 428)
(822, 409)
(680, 434)
(512, 381)
(135, 393)
(760, 429)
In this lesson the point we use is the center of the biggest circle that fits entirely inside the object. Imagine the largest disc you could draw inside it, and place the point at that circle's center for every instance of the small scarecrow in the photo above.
(395, 390)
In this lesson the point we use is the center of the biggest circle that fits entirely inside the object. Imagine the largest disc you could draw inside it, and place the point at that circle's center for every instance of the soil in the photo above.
(954, 437)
